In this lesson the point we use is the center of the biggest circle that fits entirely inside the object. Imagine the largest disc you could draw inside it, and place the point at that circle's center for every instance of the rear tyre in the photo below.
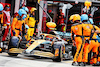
(59, 58)
(12, 54)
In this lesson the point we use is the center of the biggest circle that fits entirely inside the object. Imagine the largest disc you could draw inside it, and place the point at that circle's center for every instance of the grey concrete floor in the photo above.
(23, 61)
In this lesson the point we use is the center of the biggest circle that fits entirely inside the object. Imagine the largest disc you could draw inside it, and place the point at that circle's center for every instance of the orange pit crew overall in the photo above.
(86, 33)
(99, 53)
(16, 26)
(76, 29)
(94, 45)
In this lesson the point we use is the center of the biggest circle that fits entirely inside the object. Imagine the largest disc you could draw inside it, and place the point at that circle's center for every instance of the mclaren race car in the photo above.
(46, 45)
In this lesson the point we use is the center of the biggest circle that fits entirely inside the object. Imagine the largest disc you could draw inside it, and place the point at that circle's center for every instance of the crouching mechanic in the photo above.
(94, 44)
(98, 38)
(76, 31)
(17, 23)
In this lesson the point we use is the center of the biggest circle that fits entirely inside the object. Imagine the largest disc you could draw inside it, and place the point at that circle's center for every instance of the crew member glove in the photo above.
(20, 33)
(14, 33)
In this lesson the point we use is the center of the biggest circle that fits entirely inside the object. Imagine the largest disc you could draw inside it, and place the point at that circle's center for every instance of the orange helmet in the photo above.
(33, 9)
(71, 17)
(76, 17)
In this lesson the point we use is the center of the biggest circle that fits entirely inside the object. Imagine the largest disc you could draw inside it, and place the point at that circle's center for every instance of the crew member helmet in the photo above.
(21, 12)
(33, 9)
(24, 16)
(84, 17)
(71, 17)
(76, 17)
(26, 9)
(1, 7)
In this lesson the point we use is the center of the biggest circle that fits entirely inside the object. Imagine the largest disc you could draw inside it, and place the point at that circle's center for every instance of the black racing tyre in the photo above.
(59, 58)
(0, 51)
(12, 54)
(56, 60)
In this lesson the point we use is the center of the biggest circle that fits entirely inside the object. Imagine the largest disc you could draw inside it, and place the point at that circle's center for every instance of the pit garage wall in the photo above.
(17, 3)
(3, 1)
(55, 10)
(44, 17)
(40, 18)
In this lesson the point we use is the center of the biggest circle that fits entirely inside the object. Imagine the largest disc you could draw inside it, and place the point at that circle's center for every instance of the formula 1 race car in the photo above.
(39, 47)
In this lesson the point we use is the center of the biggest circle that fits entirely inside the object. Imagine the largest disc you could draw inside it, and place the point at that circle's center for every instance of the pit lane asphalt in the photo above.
(23, 61)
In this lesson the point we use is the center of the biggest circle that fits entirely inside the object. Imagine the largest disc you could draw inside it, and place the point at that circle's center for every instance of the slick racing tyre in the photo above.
(12, 54)
(14, 41)
(59, 58)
